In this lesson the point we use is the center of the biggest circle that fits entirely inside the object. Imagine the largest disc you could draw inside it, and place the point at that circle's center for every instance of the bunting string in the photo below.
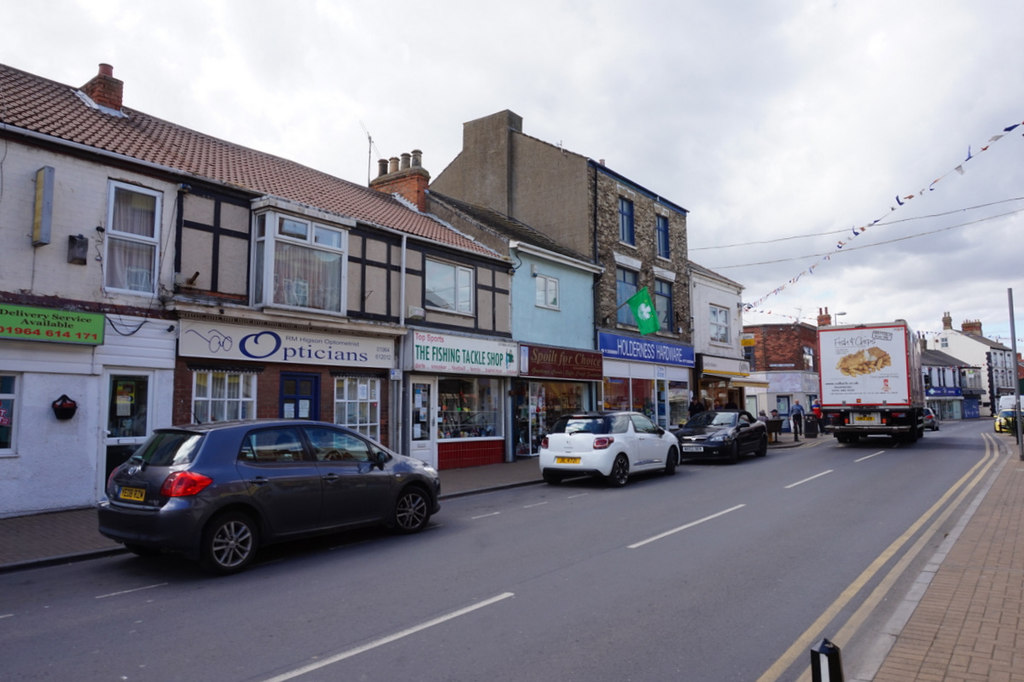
(901, 199)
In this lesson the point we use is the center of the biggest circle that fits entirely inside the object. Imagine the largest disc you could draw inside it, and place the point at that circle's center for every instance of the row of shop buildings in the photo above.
(153, 275)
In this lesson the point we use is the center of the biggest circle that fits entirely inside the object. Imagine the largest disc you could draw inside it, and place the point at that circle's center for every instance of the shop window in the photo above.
(449, 287)
(132, 239)
(299, 263)
(468, 408)
(357, 404)
(220, 396)
(8, 417)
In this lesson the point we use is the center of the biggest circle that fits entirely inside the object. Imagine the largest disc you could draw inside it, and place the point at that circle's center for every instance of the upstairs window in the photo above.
(625, 287)
(547, 292)
(299, 263)
(719, 323)
(449, 287)
(132, 238)
(7, 416)
(626, 235)
(661, 237)
(663, 304)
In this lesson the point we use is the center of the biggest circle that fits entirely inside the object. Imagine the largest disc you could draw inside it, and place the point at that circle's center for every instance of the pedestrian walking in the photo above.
(796, 416)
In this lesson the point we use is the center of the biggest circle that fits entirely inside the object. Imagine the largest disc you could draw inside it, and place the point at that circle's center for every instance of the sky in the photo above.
(831, 153)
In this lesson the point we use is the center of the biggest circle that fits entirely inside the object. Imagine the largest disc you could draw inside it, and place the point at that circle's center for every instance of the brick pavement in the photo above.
(969, 624)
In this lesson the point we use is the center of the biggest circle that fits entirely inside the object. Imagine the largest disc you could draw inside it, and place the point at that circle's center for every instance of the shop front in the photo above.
(946, 401)
(652, 377)
(457, 414)
(242, 371)
(552, 382)
(719, 381)
(78, 392)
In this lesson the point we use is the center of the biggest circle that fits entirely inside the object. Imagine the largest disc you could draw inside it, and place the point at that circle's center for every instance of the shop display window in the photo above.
(357, 404)
(7, 399)
(220, 396)
(468, 408)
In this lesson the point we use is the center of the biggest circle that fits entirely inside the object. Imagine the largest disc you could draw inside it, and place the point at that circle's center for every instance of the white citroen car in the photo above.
(610, 444)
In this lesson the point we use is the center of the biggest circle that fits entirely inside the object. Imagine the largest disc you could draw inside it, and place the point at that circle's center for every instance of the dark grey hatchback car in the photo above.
(217, 492)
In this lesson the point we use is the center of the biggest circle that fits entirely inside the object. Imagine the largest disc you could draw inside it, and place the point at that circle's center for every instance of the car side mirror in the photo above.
(380, 458)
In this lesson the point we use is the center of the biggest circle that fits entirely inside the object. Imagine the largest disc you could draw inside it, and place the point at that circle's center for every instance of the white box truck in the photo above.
(871, 382)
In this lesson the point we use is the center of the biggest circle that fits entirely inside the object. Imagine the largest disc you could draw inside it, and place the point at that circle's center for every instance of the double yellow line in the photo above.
(814, 633)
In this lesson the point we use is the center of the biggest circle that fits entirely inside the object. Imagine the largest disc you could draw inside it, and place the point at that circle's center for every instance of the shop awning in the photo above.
(723, 374)
(749, 383)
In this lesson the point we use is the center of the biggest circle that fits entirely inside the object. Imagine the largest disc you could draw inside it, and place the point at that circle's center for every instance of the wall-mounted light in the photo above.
(533, 270)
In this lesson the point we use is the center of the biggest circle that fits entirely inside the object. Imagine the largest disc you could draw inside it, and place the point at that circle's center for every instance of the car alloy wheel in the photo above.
(620, 471)
(412, 511)
(671, 461)
(229, 543)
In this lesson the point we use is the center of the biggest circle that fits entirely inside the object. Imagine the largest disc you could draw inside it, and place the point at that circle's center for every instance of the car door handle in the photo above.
(260, 480)
(331, 477)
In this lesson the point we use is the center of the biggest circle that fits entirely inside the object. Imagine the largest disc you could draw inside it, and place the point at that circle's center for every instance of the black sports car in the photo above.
(722, 434)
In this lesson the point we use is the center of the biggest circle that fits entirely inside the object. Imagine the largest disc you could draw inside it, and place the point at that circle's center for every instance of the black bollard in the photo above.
(826, 665)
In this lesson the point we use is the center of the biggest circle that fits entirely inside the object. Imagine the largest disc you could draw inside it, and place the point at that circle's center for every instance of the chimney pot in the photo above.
(382, 167)
(417, 158)
(106, 70)
(393, 164)
(405, 161)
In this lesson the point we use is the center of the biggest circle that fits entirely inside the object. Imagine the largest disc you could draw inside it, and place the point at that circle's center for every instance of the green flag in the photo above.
(643, 312)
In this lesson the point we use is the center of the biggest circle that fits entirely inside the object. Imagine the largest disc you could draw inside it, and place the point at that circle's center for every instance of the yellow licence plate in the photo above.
(134, 494)
(567, 460)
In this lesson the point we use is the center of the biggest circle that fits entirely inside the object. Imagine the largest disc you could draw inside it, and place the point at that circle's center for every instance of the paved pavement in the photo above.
(966, 625)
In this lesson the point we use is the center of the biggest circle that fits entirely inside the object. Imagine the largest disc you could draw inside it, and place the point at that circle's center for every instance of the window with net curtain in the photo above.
(222, 395)
(299, 263)
(132, 237)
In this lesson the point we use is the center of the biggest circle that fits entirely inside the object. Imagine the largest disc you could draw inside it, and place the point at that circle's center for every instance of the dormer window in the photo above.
(299, 263)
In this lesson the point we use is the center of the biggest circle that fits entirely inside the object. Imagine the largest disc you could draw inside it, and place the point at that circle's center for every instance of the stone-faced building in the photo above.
(636, 235)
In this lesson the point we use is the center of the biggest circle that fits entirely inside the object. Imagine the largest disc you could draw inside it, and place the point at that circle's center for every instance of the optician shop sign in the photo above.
(264, 344)
(448, 353)
(645, 350)
(26, 323)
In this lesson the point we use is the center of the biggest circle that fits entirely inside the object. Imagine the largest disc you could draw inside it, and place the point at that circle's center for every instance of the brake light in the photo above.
(544, 442)
(184, 483)
(603, 442)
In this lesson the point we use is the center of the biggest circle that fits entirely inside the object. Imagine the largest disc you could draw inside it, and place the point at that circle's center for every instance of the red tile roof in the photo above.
(57, 110)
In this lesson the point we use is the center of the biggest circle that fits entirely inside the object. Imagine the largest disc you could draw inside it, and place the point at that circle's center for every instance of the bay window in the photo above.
(299, 263)
(132, 238)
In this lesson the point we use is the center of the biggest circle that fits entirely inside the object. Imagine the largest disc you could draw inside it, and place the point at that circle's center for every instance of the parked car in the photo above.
(931, 420)
(614, 445)
(1004, 421)
(217, 492)
(722, 434)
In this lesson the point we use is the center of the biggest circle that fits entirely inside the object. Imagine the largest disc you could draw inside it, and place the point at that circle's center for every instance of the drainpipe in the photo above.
(398, 387)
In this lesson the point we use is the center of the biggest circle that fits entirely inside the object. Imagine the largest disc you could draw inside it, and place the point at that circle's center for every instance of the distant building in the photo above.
(997, 366)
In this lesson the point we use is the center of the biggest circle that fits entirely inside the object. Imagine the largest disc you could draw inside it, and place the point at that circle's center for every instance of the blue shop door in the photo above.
(300, 396)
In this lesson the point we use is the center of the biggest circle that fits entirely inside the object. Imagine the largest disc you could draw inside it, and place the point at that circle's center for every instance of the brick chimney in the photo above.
(947, 321)
(824, 318)
(407, 178)
(104, 89)
(971, 327)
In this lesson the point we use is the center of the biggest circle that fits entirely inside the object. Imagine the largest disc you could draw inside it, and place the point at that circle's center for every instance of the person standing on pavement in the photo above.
(796, 416)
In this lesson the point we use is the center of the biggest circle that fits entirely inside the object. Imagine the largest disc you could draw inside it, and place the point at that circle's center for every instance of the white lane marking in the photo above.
(484, 516)
(137, 589)
(810, 478)
(536, 504)
(387, 640)
(6, 615)
(573, 497)
(880, 452)
(689, 525)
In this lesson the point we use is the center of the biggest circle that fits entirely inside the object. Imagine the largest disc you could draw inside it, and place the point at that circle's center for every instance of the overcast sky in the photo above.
(782, 126)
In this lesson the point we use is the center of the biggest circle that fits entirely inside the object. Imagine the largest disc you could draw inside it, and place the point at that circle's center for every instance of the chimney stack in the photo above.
(947, 321)
(971, 327)
(408, 180)
(824, 319)
(104, 89)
